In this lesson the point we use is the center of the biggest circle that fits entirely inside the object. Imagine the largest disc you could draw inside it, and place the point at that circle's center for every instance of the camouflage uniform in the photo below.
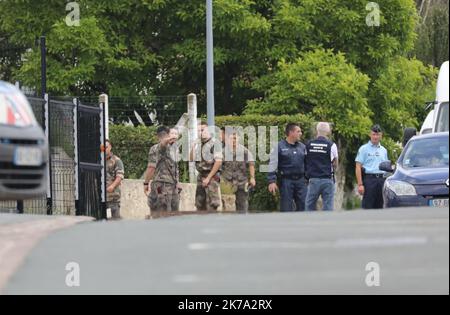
(114, 169)
(164, 194)
(235, 175)
(208, 198)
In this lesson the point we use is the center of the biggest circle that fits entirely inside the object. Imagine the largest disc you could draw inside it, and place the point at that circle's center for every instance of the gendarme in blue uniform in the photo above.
(370, 156)
(287, 164)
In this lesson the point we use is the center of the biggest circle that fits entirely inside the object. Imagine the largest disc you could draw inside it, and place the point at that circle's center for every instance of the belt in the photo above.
(323, 177)
(293, 177)
(375, 175)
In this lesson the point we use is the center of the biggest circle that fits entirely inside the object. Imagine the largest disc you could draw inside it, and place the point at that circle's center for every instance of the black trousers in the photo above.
(373, 192)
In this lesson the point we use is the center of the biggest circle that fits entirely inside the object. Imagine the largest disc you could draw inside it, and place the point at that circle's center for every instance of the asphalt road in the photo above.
(296, 253)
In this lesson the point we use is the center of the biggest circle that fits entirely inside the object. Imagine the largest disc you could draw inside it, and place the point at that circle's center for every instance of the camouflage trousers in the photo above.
(240, 192)
(242, 196)
(115, 209)
(208, 199)
(163, 197)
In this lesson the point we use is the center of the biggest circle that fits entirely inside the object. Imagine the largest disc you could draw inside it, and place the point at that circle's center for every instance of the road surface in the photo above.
(274, 253)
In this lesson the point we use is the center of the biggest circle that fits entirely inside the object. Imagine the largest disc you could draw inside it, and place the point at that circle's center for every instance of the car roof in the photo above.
(431, 136)
(6, 87)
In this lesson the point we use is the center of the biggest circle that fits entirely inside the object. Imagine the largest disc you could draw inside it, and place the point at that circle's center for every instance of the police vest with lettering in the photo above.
(318, 158)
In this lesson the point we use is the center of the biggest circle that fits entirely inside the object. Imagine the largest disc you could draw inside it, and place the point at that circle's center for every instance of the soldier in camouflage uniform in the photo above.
(208, 156)
(114, 176)
(161, 183)
(238, 170)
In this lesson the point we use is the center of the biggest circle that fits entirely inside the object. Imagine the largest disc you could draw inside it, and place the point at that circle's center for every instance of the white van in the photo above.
(438, 118)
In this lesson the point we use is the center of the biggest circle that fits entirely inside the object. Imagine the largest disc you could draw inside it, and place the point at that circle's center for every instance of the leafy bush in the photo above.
(132, 144)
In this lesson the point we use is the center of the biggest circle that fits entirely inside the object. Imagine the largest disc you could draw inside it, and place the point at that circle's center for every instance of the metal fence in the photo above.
(76, 173)
(149, 111)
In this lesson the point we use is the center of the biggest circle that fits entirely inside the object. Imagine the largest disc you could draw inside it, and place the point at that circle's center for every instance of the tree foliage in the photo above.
(142, 47)
(321, 84)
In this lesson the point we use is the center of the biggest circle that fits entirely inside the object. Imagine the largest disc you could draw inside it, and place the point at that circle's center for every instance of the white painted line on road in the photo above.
(381, 242)
(339, 244)
(186, 279)
(210, 231)
(199, 246)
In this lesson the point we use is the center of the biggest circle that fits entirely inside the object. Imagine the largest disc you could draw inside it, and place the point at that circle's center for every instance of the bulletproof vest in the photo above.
(318, 158)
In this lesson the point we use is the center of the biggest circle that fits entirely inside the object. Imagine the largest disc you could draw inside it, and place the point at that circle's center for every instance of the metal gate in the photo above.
(76, 169)
(90, 192)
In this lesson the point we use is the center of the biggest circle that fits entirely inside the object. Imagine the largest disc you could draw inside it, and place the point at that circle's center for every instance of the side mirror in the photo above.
(408, 133)
(387, 167)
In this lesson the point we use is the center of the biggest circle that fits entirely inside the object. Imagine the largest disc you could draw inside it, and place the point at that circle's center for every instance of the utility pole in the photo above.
(210, 63)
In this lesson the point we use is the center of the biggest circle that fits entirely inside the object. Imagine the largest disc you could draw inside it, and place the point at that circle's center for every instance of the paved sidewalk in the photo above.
(19, 234)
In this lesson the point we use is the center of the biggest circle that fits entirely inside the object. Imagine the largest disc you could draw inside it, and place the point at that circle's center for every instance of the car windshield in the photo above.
(442, 120)
(15, 111)
(429, 153)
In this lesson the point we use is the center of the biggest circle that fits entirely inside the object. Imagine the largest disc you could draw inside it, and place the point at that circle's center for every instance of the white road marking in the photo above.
(186, 279)
(341, 243)
(381, 242)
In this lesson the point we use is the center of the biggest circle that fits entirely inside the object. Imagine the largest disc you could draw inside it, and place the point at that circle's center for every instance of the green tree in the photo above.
(158, 47)
(433, 41)
(322, 84)
(399, 94)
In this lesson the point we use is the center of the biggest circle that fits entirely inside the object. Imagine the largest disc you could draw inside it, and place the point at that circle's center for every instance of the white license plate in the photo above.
(441, 203)
(28, 157)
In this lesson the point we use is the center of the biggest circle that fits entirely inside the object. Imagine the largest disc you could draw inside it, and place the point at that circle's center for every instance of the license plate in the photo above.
(28, 157)
(440, 203)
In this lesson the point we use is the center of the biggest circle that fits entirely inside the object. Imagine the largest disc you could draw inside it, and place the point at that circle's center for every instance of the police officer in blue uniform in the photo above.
(287, 163)
(368, 174)
(321, 162)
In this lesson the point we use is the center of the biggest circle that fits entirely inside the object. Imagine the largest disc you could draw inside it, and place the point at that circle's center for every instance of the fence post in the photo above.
(20, 206)
(43, 44)
(76, 157)
(193, 133)
(104, 99)
(103, 136)
(47, 119)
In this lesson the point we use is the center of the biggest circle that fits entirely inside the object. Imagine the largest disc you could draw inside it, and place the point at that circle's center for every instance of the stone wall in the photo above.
(134, 202)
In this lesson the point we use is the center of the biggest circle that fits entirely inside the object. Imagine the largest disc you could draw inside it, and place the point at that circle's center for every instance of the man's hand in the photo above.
(205, 182)
(273, 188)
(110, 189)
(252, 182)
(147, 190)
(361, 190)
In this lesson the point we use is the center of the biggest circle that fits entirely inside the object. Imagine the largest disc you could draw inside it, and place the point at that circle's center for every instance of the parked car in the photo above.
(421, 176)
(23, 148)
